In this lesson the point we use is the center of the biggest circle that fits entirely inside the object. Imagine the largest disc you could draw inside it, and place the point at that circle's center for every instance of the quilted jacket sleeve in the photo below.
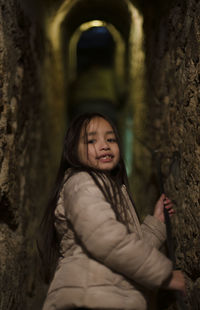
(106, 239)
(154, 231)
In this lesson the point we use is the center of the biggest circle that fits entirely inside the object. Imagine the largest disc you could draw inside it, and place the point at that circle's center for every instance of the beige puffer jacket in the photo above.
(103, 266)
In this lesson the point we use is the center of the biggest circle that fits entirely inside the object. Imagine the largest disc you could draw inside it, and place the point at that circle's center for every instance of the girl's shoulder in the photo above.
(74, 178)
(74, 181)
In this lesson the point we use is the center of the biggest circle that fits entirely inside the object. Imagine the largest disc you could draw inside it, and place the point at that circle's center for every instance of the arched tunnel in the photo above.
(137, 62)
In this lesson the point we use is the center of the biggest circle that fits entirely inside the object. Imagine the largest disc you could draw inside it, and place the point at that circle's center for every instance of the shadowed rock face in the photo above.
(173, 73)
(21, 153)
(172, 46)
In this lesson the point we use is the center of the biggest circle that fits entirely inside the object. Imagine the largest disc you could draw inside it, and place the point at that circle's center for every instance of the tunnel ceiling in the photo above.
(115, 12)
(155, 5)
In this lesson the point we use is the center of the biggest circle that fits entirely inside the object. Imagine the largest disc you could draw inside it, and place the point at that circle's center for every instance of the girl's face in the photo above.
(97, 146)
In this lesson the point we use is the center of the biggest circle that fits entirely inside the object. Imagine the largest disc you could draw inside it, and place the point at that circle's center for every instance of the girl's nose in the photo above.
(104, 146)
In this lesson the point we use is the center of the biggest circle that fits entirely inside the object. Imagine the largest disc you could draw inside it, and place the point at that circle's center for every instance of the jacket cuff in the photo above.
(155, 226)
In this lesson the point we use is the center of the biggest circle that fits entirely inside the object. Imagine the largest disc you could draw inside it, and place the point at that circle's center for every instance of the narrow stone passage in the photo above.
(136, 61)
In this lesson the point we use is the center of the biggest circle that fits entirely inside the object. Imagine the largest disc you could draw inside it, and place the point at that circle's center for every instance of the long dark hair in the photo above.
(48, 242)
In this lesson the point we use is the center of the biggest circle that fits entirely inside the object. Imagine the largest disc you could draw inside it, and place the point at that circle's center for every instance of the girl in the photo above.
(104, 258)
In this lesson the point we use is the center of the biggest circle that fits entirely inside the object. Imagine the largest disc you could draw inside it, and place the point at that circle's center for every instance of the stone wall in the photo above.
(23, 154)
(140, 179)
(173, 64)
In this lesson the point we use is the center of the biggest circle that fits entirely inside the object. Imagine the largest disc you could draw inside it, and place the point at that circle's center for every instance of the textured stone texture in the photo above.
(173, 52)
(23, 152)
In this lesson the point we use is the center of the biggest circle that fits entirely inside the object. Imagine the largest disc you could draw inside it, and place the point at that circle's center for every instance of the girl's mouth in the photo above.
(105, 158)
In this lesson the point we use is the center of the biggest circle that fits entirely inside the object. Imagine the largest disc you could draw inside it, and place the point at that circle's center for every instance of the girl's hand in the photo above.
(176, 282)
(163, 202)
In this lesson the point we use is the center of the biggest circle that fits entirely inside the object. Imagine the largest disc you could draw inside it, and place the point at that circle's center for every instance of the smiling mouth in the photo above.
(105, 156)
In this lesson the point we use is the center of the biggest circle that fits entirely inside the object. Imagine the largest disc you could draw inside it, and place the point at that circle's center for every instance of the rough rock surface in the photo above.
(173, 62)
(22, 154)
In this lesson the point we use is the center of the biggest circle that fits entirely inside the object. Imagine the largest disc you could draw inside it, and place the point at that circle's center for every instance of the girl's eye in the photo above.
(90, 141)
(112, 140)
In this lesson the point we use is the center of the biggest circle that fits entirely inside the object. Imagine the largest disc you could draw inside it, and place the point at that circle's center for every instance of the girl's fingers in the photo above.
(169, 206)
(170, 209)
(167, 202)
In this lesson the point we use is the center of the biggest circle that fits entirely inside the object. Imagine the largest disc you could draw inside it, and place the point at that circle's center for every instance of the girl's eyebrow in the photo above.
(93, 133)
(110, 132)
